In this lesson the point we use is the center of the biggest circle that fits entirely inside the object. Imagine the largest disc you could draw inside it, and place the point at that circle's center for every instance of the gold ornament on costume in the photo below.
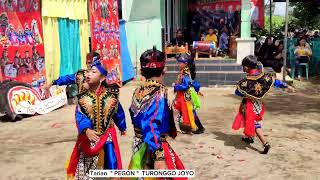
(244, 84)
(258, 88)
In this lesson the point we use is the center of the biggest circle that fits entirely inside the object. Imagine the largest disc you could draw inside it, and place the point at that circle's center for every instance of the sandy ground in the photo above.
(37, 147)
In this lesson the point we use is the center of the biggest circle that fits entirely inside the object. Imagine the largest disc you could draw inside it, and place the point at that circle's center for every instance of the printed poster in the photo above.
(21, 42)
(105, 36)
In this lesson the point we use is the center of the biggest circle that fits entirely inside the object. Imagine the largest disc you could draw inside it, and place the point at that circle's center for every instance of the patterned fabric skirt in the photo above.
(86, 156)
(86, 164)
(142, 157)
(186, 110)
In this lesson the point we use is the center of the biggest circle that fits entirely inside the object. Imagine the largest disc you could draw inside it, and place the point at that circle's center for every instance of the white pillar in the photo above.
(245, 44)
(245, 47)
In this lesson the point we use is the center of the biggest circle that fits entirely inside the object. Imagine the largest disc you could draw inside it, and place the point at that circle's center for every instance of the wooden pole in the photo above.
(270, 17)
(285, 42)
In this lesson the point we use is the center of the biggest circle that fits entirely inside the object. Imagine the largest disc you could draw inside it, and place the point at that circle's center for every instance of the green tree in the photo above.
(277, 22)
(305, 15)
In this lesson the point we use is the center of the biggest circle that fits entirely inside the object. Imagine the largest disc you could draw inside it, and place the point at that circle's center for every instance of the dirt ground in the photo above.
(38, 147)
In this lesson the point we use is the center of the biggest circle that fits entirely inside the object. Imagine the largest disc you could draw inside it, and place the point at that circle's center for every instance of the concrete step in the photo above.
(213, 61)
(209, 78)
(219, 82)
(211, 72)
(210, 67)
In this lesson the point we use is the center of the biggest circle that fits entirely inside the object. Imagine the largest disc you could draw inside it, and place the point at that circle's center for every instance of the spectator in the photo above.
(194, 30)
(212, 37)
(271, 54)
(265, 53)
(224, 40)
(221, 25)
(316, 34)
(179, 40)
(237, 18)
(278, 57)
(302, 53)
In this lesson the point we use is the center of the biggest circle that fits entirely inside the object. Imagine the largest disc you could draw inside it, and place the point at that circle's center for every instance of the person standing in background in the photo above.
(224, 40)
(179, 40)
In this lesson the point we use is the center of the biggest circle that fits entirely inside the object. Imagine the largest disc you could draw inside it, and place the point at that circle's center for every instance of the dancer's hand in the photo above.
(113, 102)
(86, 86)
(47, 86)
(200, 93)
(291, 89)
(123, 133)
(160, 165)
(170, 104)
(92, 135)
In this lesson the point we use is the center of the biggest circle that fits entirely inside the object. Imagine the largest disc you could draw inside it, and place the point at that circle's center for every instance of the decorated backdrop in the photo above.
(21, 42)
(106, 36)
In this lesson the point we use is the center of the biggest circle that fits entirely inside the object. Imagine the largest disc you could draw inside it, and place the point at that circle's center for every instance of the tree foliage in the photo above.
(305, 15)
(278, 23)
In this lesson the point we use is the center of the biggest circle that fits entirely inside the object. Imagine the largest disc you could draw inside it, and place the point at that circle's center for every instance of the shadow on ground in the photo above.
(5, 119)
(312, 126)
(293, 104)
(233, 140)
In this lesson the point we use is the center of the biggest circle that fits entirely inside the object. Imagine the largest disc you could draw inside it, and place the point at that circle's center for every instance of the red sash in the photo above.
(247, 119)
(83, 144)
(181, 105)
(169, 160)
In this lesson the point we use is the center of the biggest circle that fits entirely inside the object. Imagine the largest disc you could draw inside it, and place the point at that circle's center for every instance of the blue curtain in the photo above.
(70, 55)
(126, 64)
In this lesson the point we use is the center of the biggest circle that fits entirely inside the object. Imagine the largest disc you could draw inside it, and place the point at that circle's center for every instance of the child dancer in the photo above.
(97, 110)
(152, 118)
(187, 100)
(253, 88)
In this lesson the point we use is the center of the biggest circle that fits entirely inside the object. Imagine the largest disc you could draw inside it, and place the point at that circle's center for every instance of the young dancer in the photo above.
(253, 88)
(97, 111)
(187, 100)
(152, 118)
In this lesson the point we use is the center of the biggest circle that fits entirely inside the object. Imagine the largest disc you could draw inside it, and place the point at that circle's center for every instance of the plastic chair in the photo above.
(306, 65)
(315, 55)
(292, 59)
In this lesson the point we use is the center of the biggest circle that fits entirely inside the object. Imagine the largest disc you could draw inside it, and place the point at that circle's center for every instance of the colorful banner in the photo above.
(21, 42)
(257, 13)
(218, 13)
(105, 36)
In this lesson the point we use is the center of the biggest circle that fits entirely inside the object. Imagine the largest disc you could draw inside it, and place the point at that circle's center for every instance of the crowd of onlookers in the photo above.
(271, 53)
(309, 35)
